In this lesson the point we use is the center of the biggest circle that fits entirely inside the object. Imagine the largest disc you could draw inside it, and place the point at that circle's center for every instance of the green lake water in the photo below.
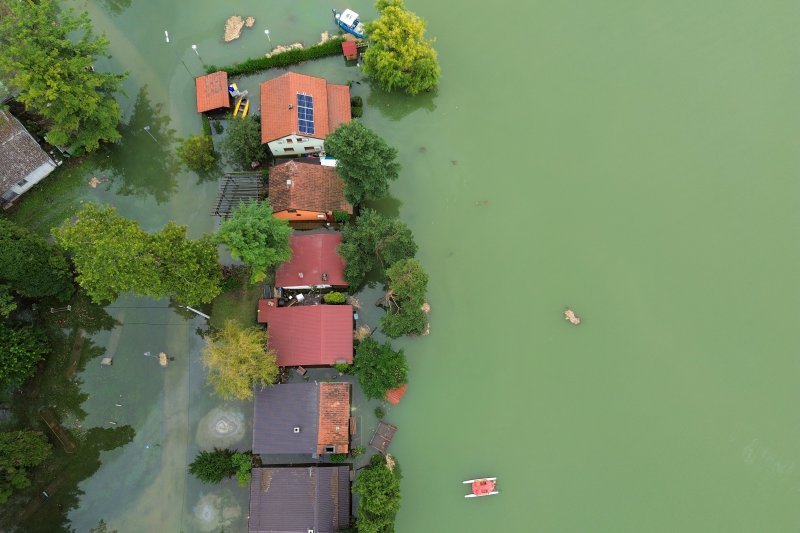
(637, 161)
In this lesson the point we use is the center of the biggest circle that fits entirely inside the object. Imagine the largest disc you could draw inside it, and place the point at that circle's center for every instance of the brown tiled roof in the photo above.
(279, 105)
(393, 396)
(314, 188)
(20, 154)
(333, 428)
(212, 91)
(312, 256)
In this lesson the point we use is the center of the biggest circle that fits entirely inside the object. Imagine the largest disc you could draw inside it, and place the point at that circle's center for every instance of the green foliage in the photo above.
(334, 298)
(256, 237)
(379, 368)
(48, 56)
(234, 276)
(356, 112)
(358, 451)
(197, 153)
(21, 348)
(356, 101)
(374, 240)
(102, 527)
(408, 284)
(332, 47)
(365, 162)
(337, 457)
(399, 55)
(30, 266)
(243, 464)
(380, 412)
(378, 489)
(19, 450)
(344, 368)
(214, 466)
(206, 124)
(218, 127)
(242, 144)
(237, 359)
(7, 303)
(112, 255)
(341, 217)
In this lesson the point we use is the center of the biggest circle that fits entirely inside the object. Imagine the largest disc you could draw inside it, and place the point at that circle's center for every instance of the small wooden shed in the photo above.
(382, 437)
(349, 50)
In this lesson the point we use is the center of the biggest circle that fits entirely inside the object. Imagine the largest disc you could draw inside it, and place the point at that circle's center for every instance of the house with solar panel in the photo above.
(298, 111)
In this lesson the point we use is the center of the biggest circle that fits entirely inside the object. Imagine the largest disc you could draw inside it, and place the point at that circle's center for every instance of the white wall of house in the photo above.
(296, 145)
(29, 181)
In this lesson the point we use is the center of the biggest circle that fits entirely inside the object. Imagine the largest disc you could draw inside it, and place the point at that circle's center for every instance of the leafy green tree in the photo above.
(399, 55)
(112, 255)
(7, 302)
(256, 237)
(242, 144)
(213, 467)
(21, 348)
(379, 368)
(197, 153)
(19, 450)
(102, 527)
(32, 267)
(378, 490)
(365, 162)
(374, 240)
(243, 464)
(408, 283)
(48, 56)
(237, 359)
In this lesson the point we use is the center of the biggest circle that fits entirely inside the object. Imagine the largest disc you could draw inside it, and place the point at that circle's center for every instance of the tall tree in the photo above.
(237, 359)
(378, 490)
(32, 267)
(197, 153)
(48, 56)
(374, 240)
(407, 284)
(20, 349)
(19, 450)
(379, 367)
(242, 143)
(399, 55)
(255, 236)
(366, 163)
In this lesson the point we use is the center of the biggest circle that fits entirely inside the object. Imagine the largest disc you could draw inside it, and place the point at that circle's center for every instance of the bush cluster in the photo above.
(334, 298)
(356, 107)
(290, 57)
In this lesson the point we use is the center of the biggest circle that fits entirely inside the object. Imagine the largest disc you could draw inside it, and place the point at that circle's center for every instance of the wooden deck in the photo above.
(382, 437)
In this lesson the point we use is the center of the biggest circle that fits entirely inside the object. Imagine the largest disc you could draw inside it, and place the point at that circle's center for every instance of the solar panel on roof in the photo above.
(305, 113)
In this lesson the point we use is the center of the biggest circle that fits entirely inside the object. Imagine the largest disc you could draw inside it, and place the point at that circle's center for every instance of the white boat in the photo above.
(482, 487)
(348, 21)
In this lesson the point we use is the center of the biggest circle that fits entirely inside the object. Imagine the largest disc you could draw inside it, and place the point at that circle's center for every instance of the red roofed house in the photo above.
(314, 263)
(299, 111)
(310, 335)
(212, 92)
(304, 190)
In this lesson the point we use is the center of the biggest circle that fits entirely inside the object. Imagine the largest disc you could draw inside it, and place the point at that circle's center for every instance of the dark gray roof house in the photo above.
(300, 499)
(23, 163)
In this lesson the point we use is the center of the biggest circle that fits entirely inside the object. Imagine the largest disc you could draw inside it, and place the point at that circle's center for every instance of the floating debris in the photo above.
(233, 28)
(281, 48)
(162, 359)
(249, 21)
(570, 315)
(107, 361)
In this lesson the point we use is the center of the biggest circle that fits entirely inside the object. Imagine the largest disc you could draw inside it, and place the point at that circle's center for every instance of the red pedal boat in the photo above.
(482, 487)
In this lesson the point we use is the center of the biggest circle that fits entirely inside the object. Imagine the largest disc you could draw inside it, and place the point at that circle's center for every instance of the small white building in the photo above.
(299, 111)
(23, 163)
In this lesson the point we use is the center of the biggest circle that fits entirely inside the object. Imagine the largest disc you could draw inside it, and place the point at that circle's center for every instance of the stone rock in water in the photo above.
(233, 28)
(249, 21)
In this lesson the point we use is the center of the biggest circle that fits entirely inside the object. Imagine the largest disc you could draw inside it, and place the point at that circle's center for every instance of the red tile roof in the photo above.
(212, 91)
(279, 105)
(313, 256)
(311, 335)
(349, 49)
(314, 188)
(393, 396)
(334, 417)
(265, 306)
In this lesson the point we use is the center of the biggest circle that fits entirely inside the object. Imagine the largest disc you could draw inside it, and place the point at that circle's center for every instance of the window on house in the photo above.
(330, 449)
(288, 149)
(22, 182)
(310, 148)
(289, 141)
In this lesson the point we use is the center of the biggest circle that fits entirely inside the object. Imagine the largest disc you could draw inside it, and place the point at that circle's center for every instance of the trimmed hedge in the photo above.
(290, 57)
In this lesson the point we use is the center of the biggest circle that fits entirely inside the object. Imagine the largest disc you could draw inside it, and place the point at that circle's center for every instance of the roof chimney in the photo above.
(324, 276)
(290, 106)
(300, 275)
(297, 429)
(289, 183)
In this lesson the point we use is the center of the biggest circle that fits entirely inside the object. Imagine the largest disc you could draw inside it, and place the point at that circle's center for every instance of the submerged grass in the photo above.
(239, 304)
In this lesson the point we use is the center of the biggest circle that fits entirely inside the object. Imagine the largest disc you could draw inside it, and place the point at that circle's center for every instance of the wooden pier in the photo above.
(382, 437)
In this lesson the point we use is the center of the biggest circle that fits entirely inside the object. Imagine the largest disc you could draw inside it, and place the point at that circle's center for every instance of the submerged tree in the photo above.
(399, 55)
(48, 56)
(237, 359)
(407, 284)
(212, 467)
(20, 349)
(242, 144)
(19, 451)
(374, 241)
(197, 153)
(378, 490)
(365, 162)
(379, 367)
(255, 236)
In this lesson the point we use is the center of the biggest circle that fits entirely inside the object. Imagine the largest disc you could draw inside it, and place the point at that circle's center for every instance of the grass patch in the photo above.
(238, 304)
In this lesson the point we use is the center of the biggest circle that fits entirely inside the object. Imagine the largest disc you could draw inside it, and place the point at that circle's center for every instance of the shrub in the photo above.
(356, 101)
(206, 124)
(358, 451)
(197, 153)
(332, 47)
(212, 467)
(356, 112)
(378, 491)
(341, 217)
(218, 127)
(344, 368)
(242, 463)
(334, 298)
(380, 412)
(338, 457)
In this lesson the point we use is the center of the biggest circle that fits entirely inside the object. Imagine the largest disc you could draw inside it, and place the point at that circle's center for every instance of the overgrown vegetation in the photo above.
(407, 285)
(197, 153)
(331, 47)
(380, 412)
(337, 457)
(242, 143)
(334, 298)
(215, 466)
(19, 451)
(20, 349)
(379, 368)
(378, 490)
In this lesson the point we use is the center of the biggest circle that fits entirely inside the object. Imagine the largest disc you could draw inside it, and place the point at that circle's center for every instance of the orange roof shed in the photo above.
(212, 91)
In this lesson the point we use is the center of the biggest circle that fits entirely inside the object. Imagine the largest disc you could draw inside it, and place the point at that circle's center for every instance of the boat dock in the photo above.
(382, 437)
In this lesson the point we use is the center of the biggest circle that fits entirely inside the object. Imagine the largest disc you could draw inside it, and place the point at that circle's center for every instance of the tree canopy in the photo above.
(197, 153)
(19, 450)
(365, 162)
(374, 240)
(237, 359)
(378, 490)
(256, 237)
(242, 142)
(30, 266)
(21, 348)
(48, 56)
(379, 367)
(112, 255)
(407, 283)
(213, 466)
(399, 55)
